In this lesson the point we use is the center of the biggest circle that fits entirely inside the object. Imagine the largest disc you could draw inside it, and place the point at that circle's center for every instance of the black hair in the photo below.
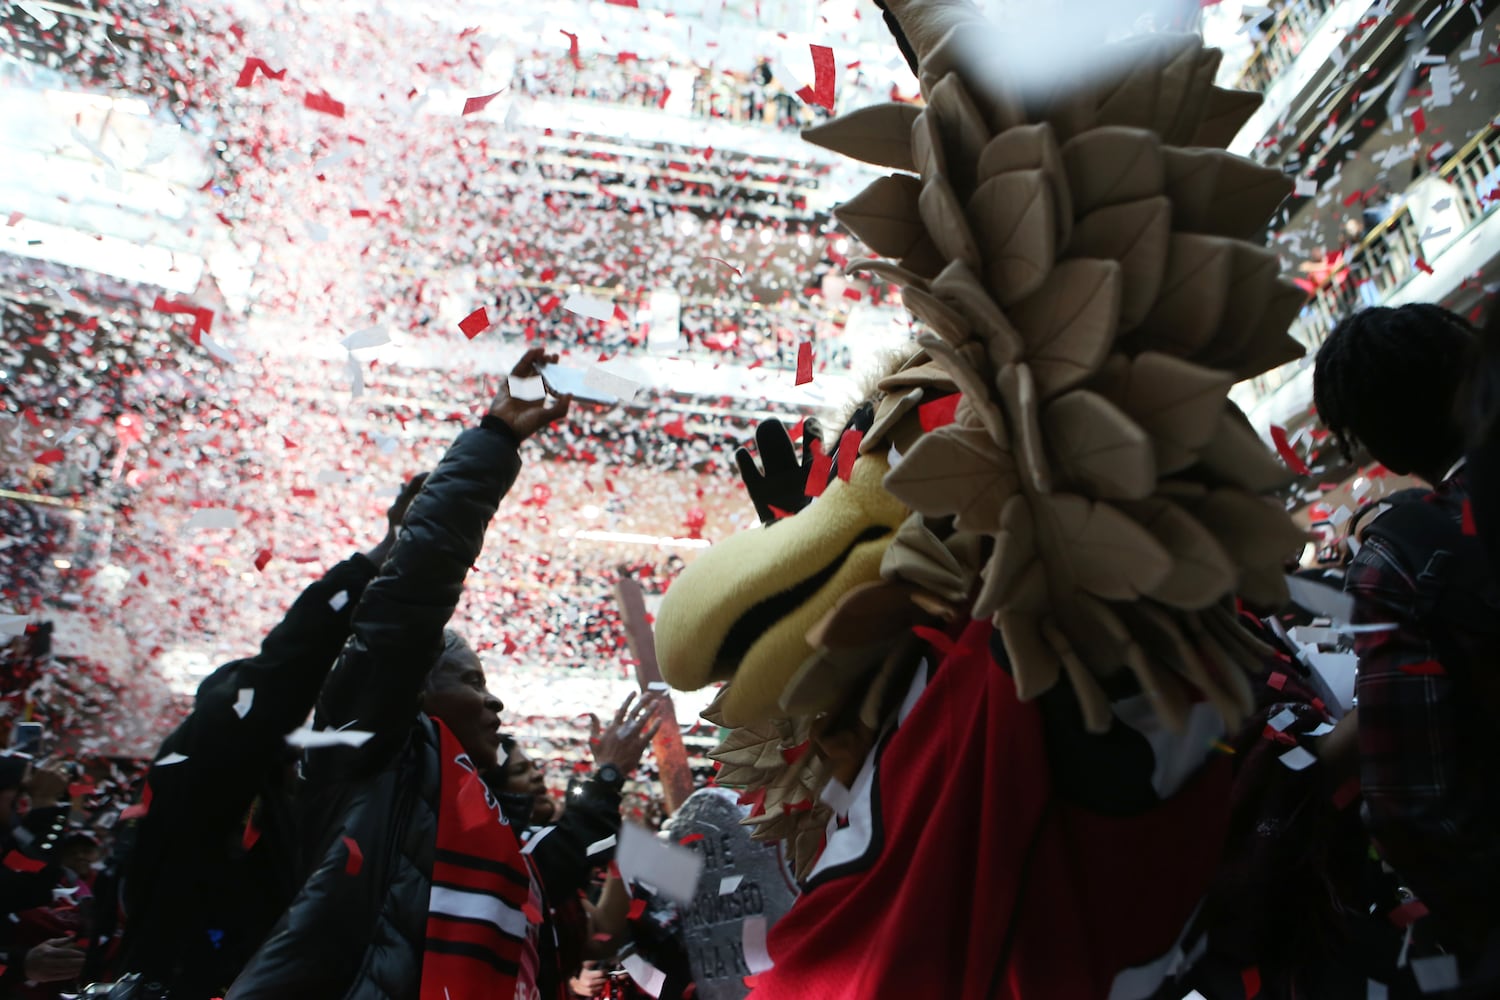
(1389, 378)
(507, 744)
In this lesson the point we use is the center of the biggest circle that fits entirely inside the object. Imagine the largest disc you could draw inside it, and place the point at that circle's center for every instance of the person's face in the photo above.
(523, 776)
(456, 694)
(80, 860)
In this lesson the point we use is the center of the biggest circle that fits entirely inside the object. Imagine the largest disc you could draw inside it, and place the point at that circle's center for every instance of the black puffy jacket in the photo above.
(356, 928)
(203, 882)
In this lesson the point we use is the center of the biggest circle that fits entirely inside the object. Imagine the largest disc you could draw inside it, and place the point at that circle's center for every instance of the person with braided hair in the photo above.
(1388, 381)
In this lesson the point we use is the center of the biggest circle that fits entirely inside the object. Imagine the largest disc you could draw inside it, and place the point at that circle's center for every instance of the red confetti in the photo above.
(1469, 527)
(1287, 452)
(624, 3)
(251, 834)
(573, 49)
(721, 260)
(356, 859)
(1408, 913)
(1427, 668)
(778, 513)
(1419, 121)
(1423, 266)
(1250, 979)
(849, 452)
(817, 475)
(691, 838)
(287, 442)
(323, 103)
(822, 90)
(1346, 793)
(637, 908)
(475, 323)
(1276, 681)
(247, 73)
(18, 862)
(533, 915)
(49, 457)
(15, 218)
(474, 104)
(262, 558)
(804, 363)
(939, 412)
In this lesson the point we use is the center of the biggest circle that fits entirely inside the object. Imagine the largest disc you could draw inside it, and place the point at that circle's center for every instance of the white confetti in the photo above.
(212, 519)
(536, 838)
(372, 336)
(729, 883)
(244, 701)
(601, 845)
(647, 976)
(42, 15)
(337, 601)
(1297, 759)
(589, 307)
(1305, 187)
(1282, 719)
(671, 870)
(170, 759)
(13, 624)
(753, 937)
(312, 739)
(1436, 973)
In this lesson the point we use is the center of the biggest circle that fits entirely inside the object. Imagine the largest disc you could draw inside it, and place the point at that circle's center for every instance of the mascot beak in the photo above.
(742, 610)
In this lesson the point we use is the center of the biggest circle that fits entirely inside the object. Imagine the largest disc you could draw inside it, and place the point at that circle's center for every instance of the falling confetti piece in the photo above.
(473, 104)
(804, 363)
(475, 323)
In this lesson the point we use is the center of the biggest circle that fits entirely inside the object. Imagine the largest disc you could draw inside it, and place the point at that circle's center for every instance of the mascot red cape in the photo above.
(977, 683)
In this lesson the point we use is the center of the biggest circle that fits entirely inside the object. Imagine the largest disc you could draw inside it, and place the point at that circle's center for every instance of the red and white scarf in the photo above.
(482, 915)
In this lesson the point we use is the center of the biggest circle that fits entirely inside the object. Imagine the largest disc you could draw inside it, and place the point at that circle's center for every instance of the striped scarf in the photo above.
(483, 914)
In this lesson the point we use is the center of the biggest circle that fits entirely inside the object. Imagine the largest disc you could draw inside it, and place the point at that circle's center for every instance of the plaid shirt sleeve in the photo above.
(1408, 718)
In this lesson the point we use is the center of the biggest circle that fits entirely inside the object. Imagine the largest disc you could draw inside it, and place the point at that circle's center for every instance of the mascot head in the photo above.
(1059, 455)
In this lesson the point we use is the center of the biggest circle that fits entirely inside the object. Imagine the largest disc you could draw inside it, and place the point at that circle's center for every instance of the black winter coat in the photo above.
(356, 928)
(198, 900)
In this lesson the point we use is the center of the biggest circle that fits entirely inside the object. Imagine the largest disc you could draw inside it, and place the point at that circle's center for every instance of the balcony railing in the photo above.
(1368, 272)
(1285, 37)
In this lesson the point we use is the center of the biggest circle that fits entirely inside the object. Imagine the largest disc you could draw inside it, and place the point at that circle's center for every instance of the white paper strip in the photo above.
(729, 883)
(1321, 600)
(1297, 759)
(647, 976)
(312, 739)
(757, 957)
(170, 759)
(212, 518)
(244, 701)
(371, 336)
(672, 870)
(592, 308)
(13, 624)
(601, 845)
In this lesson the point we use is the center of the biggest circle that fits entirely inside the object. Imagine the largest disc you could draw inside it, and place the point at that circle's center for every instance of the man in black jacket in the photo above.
(371, 921)
(213, 860)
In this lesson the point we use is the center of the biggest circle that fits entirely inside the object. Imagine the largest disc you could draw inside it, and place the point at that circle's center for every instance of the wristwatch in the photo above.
(611, 776)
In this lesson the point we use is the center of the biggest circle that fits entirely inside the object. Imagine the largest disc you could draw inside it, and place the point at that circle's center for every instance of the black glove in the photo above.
(783, 484)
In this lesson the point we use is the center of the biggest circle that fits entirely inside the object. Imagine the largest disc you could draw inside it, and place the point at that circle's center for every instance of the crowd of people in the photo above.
(392, 850)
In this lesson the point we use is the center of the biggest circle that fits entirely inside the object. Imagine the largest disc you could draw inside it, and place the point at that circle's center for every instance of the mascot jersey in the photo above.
(976, 661)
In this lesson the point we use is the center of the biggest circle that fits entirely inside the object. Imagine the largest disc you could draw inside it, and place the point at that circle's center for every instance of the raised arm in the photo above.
(398, 627)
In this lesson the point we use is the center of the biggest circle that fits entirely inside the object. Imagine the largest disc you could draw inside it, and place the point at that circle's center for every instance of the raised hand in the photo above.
(525, 416)
(783, 483)
(628, 734)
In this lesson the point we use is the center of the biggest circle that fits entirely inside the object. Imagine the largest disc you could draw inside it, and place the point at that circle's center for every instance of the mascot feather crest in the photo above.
(1058, 458)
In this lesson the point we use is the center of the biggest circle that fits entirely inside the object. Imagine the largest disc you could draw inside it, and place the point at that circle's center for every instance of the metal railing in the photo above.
(1285, 35)
(1401, 245)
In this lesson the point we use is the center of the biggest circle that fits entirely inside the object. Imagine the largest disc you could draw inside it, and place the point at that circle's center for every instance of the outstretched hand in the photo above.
(783, 484)
(628, 734)
(527, 416)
